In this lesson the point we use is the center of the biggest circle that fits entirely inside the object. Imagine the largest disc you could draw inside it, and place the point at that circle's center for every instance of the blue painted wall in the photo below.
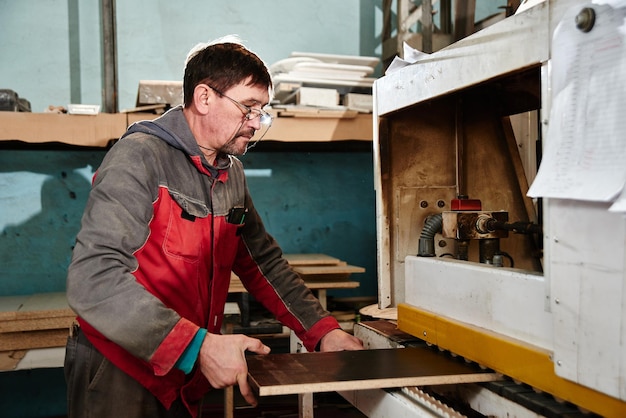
(316, 202)
(312, 202)
(320, 202)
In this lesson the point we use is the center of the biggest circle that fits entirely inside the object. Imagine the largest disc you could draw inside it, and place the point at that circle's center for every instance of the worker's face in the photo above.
(237, 118)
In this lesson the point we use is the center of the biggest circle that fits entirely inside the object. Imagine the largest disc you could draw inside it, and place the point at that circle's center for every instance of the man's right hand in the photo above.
(222, 360)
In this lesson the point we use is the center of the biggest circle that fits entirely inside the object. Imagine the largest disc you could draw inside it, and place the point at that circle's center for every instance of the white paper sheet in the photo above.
(585, 148)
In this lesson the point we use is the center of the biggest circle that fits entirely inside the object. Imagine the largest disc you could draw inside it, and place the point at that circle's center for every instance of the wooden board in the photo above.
(283, 374)
(322, 282)
(342, 284)
(319, 271)
(311, 259)
(26, 340)
(57, 319)
(35, 312)
(306, 271)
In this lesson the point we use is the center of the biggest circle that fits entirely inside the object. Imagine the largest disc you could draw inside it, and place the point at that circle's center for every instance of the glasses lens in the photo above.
(260, 133)
(266, 118)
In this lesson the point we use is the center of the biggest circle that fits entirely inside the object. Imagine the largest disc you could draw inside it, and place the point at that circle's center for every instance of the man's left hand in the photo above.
(339, 340)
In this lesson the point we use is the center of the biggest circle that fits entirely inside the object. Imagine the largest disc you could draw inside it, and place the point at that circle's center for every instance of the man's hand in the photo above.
(339, 340)
(222, 361)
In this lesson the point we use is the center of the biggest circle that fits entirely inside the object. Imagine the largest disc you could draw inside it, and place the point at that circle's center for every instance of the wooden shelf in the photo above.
(102, 129)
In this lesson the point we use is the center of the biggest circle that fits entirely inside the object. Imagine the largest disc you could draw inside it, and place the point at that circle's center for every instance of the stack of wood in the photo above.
(319, 271)
(34, 321)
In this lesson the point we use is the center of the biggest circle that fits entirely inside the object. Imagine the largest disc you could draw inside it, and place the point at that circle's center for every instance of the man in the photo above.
(168, 218)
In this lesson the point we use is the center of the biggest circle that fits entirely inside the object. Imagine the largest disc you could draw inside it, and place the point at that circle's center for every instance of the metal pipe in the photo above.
(432, 225)
(459, 140)
(109, 51)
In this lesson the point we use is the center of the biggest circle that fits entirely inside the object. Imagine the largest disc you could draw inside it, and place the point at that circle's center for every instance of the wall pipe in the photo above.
(109, 51)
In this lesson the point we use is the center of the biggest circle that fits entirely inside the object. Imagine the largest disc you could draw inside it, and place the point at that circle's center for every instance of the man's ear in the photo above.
(202, 97)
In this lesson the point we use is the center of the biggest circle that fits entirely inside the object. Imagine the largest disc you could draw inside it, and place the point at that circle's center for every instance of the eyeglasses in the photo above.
(248, 112)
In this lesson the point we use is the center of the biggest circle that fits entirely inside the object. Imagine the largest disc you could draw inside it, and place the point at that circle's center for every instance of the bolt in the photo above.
(441, 203)
(424, 204)
(586, 19)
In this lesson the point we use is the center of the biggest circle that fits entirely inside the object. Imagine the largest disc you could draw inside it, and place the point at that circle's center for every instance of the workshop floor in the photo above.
(326, 405)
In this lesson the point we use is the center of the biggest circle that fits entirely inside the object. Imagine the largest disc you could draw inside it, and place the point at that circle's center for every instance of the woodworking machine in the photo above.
(533, 288)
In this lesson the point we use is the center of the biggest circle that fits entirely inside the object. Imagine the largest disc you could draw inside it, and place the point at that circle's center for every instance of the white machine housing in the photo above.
(575, 308)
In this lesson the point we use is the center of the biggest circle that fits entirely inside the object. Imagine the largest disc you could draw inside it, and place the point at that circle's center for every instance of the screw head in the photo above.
(585, 19)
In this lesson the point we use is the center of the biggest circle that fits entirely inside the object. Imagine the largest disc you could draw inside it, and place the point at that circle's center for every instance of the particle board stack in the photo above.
(317, 270)
(34, 321)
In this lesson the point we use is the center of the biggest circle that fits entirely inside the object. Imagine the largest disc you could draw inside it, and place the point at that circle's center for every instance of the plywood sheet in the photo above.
(35, 312)
(311, 259)
(283, 374)
(316, 283)
(27, 340)
(312, 271)
(319, 271)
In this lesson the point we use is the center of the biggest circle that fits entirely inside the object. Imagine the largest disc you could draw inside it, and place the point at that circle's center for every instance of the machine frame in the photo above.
(445, 127)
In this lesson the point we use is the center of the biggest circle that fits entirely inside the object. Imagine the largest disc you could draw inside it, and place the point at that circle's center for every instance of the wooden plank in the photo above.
(283, 374)
(328, 278)
(317, 270)
(57, 320)
(323, 283)
(323, 270)
(235, 285)
(97, 130)
(320, 129)
(339, 284)
(310, 259)
(33, 339)
(35, 312)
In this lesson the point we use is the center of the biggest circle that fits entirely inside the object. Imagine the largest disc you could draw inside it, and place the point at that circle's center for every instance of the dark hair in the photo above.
(223, 65)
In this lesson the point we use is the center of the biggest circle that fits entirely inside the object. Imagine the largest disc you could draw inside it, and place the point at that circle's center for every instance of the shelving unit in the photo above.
(102, 129)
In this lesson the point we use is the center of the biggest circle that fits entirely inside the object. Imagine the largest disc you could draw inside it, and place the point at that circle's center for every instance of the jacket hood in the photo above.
(172, 127)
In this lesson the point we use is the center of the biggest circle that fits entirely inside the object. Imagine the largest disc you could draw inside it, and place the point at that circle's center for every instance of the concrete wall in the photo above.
(51, 51)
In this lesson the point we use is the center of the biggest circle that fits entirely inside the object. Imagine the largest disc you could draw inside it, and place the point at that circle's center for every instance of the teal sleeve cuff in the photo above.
(190, 355)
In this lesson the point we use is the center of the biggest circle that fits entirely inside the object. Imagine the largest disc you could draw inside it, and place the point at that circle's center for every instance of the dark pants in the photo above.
(98, 389)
